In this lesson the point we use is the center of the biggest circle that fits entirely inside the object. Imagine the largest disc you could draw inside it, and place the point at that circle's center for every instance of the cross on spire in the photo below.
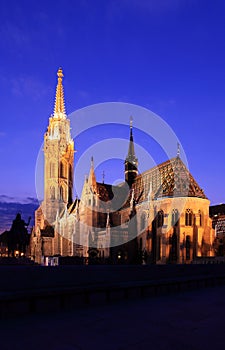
(178, 149)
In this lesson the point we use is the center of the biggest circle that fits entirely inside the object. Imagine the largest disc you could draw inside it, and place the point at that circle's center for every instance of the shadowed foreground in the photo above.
(29, 290)
(191, 320)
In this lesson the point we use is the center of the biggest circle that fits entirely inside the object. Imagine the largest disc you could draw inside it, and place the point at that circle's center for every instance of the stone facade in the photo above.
(160, 216)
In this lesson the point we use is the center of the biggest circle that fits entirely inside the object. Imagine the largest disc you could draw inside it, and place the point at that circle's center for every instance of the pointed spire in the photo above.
(131, 154)
(92, 178)
(59, 109)
(131, 162)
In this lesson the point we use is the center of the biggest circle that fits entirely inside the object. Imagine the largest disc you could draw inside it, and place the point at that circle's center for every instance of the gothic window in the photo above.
(173, 247)
(70, 195)
(52, 170)
(188, 217)
(61, 194)
(200, 217)
(52, 192)
(62, 169)
(175, 217)
(160, 220)
(188, 248)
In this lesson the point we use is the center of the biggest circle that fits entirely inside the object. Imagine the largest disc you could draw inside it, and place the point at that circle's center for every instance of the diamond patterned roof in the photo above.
(169, 179)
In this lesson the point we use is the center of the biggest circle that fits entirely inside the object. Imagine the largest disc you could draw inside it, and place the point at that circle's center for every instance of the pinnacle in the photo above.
(59, 108)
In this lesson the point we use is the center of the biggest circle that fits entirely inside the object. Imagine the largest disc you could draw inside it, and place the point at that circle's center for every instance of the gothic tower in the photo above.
(131, 162)
(58, 158)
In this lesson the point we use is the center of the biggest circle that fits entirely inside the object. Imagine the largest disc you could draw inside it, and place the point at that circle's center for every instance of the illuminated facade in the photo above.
(160, 216)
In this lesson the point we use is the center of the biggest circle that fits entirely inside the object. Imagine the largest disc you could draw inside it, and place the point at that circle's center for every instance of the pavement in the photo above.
(189, 321)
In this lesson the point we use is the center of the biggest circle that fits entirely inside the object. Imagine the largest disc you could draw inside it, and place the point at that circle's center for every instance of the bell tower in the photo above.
(58, 158)
(131, 162)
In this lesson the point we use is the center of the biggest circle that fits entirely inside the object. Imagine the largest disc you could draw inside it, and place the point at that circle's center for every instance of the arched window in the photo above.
(188, 248)
(143, 221)
(62, 169)
(61, 194)
(52, 192)
(173, 241)
(52, 170)
(175, 217)
(70, 195)
(160, 220)
(188, 217)
(200, 218)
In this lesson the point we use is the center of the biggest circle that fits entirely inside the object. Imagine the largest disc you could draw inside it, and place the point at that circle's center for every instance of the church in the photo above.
(158, 217)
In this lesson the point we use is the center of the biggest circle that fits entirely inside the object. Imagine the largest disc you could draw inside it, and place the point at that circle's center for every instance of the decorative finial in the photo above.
(103, 177)
(92, 161)
(60, 73)
(178, 149)
(131, 122)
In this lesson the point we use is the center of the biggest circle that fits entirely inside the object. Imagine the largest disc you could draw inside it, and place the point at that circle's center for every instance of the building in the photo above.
(160, 216)
(217, 213)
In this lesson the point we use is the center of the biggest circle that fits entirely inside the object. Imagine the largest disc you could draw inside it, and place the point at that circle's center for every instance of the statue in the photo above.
(18, 238)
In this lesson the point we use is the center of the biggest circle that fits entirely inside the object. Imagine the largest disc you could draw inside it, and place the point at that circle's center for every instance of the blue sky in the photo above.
(167, 56)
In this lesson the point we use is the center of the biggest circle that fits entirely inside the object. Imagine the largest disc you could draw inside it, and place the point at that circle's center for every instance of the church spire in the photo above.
(131, 161)
(131, 154)
(92, 178)
(59, 109)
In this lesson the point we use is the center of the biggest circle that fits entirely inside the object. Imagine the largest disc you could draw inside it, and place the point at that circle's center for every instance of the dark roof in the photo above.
(117, 195)
(48, 231)
(218, 209)
(105, 191)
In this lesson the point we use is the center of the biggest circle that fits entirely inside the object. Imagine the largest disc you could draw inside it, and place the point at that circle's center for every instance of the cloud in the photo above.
(18, 200)
(6, 199)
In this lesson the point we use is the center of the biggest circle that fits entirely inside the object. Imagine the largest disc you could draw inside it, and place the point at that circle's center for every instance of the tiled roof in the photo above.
(169, 179)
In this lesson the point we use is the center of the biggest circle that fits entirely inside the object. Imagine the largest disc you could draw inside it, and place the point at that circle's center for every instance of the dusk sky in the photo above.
(165, 55)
